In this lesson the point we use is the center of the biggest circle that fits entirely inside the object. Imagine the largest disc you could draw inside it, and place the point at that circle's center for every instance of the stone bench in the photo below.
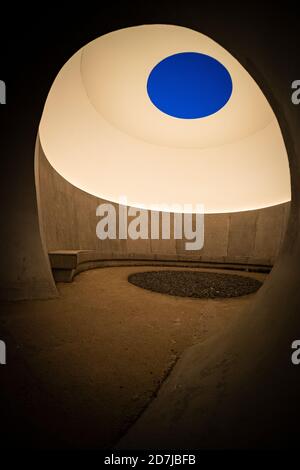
(66, 264)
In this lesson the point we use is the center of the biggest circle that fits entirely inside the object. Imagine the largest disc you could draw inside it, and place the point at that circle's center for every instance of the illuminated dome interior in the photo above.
(162, 114)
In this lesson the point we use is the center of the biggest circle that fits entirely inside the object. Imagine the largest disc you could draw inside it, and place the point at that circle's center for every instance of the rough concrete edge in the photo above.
(174, 376)
(167, 372)
(53, 292)
(68, 274)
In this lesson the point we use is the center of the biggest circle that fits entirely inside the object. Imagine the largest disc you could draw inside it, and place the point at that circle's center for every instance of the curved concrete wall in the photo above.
(69, 220)
(243, 384)
(240, 389)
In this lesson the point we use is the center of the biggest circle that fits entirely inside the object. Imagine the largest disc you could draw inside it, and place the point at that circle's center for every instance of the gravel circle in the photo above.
(195, 284)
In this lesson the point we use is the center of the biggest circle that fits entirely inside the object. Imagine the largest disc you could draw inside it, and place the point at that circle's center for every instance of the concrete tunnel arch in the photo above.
(235, 350)
(241, 358)
(277, 304)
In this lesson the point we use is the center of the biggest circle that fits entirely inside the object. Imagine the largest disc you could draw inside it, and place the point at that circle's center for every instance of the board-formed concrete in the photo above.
(69, 220)
(25, 269)
(66, 264)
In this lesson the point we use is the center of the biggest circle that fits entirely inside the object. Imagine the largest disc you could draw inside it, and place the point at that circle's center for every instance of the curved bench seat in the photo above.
(66, 264)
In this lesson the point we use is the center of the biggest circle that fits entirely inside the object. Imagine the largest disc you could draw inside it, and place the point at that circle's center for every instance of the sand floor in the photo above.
(81, 368)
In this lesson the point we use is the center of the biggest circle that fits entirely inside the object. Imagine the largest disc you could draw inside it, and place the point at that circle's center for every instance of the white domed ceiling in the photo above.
(162, 114)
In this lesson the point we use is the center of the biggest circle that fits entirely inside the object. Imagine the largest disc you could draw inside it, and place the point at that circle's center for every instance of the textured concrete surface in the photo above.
(25, 271)
(69, 221)
(67, 263)
(81, 368)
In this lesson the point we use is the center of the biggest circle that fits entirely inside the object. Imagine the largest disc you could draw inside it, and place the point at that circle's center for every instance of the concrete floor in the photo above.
(81, 368)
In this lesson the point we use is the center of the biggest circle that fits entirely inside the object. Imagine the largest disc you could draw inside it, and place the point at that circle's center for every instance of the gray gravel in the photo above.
(195, 284)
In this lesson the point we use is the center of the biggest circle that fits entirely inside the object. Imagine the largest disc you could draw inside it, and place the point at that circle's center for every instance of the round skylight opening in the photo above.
(189, 85)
